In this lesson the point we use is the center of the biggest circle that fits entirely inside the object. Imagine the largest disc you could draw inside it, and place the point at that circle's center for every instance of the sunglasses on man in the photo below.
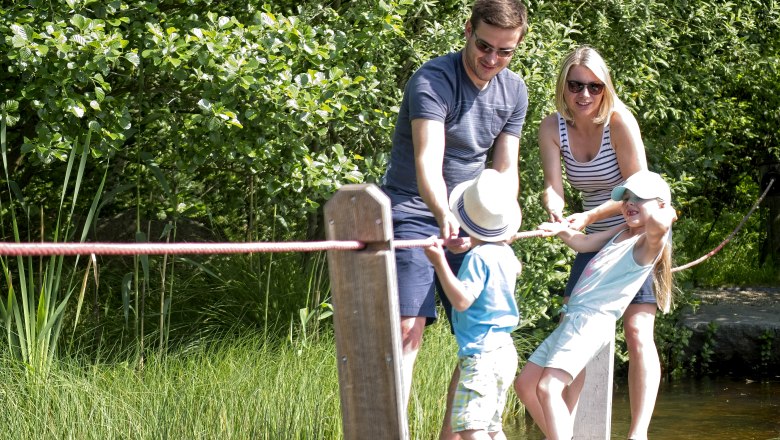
(488, 49)
(594, 88)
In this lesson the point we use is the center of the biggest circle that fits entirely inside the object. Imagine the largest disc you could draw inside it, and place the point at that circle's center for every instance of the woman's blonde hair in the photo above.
(662, 278)
(588, 57)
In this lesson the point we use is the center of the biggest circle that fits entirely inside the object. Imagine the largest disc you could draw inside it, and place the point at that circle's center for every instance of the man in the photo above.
(456, 109)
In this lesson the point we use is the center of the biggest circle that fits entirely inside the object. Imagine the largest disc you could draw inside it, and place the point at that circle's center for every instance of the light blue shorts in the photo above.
(576, 340)
(484, 381)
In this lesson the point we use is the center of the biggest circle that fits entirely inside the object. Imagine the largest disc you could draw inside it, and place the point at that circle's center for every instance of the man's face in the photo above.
(488, 50)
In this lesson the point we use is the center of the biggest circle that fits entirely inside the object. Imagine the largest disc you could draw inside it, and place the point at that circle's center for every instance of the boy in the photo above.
(483, 300)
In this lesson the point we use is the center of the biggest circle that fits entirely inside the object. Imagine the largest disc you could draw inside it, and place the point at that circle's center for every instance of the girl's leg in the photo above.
(558, 418)
(644, 367)
(525, 385)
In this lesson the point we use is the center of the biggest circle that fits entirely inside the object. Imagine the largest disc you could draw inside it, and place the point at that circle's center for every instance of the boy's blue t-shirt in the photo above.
(488, 272)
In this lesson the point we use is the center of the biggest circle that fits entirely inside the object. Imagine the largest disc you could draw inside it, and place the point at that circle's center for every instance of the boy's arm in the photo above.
(452, 286)
(579, 241)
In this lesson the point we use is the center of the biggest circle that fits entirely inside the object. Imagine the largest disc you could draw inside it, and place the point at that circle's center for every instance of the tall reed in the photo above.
(36, 296)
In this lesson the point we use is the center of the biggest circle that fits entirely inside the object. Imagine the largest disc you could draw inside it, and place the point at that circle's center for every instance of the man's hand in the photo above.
(449, 230)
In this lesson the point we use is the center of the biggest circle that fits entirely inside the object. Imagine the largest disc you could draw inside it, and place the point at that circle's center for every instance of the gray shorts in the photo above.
(577, 340)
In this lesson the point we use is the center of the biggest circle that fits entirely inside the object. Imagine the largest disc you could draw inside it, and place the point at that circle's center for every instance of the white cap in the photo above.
(645, 185)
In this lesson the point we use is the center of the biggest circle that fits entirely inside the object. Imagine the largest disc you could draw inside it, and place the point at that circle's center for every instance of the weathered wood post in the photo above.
(366, 315)
(593, 420)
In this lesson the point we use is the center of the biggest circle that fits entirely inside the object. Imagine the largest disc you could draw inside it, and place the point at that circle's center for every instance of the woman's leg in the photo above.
(644, 367)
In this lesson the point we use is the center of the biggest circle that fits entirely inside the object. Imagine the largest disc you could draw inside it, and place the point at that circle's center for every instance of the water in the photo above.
(713, 409)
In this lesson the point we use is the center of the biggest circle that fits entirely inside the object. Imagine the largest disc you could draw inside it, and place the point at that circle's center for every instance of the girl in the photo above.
(598, 141)
(626, 255)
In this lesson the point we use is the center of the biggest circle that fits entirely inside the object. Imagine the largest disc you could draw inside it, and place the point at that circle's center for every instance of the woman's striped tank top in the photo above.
(594, 179)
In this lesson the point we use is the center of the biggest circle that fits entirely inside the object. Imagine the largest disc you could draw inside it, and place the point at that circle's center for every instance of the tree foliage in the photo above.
(252, 114)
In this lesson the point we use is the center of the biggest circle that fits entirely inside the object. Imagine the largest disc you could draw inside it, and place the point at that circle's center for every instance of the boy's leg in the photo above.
(446, 425)
(557, 417)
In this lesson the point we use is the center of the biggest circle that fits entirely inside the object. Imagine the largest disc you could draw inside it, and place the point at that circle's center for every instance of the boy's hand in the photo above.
(435, 252)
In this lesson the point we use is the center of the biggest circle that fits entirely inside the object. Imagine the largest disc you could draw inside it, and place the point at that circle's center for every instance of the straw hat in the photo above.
(485, 208)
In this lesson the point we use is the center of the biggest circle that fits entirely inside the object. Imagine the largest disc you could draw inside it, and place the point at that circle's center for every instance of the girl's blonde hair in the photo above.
(662, 278)
(588, 57)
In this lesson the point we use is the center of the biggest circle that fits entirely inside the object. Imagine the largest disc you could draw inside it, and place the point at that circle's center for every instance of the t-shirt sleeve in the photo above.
(514, 125)
(428, 95)
(473, 274)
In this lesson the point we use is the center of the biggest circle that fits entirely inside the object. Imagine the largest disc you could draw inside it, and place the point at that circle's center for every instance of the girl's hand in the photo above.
(578, 221)
(552, 229)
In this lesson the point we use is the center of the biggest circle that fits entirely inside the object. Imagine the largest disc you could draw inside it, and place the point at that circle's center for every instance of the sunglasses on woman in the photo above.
(594, 88)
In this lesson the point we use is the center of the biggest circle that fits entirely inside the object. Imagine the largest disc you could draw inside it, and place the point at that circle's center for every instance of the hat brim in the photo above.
(512, 227)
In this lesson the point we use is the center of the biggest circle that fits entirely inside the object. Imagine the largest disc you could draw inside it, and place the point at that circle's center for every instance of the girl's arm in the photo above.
(579, 241)
(452, 286)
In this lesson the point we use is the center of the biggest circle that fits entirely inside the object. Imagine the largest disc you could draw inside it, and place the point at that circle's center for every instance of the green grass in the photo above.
(232, 389)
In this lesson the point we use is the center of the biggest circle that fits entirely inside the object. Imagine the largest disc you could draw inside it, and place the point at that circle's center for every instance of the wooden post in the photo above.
(366, 315)
(593, 420)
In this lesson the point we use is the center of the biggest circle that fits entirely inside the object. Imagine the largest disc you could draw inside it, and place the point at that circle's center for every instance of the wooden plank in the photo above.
(366, 315)
(593, 420)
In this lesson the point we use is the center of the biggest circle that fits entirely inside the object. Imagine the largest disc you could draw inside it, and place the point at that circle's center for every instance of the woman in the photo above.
(600, 144)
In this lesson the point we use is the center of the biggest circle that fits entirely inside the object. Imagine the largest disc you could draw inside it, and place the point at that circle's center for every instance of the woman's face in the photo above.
(583, 92)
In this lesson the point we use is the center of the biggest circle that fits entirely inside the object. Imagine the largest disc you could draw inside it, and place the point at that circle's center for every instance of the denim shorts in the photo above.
(481, 393)
(417, 281)
(644, 296)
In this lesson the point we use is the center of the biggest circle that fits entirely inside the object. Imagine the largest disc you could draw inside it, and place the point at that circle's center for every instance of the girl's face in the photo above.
(583, 91)
(635, 210)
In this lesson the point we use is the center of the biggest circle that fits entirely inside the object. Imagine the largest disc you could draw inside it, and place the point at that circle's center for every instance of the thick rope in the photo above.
(48, 248)
(730, 236)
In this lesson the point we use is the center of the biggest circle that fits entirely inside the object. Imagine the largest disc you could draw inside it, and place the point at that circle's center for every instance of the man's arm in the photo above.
(428, 139)
(506, 150)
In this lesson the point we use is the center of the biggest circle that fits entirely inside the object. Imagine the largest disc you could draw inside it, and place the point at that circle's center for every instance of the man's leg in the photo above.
(644, 366)
(412, 328)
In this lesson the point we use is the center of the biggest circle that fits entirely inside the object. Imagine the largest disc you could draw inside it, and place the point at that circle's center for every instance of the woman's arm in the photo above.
(550, 152)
